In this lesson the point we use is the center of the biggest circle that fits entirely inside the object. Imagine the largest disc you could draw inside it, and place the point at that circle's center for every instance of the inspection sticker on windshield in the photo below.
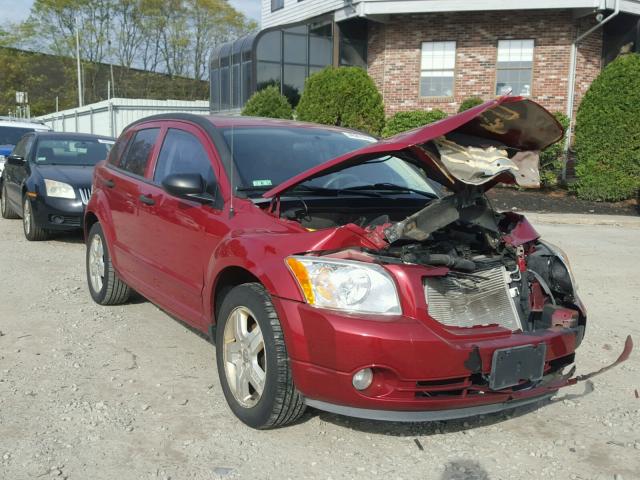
(357, 136)
(262, 183)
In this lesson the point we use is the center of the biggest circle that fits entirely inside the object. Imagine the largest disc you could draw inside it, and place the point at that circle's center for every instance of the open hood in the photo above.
(496, 142)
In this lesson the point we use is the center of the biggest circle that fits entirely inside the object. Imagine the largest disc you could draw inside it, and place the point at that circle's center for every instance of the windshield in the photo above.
(69, 151)
(11, 135)
(267, 156)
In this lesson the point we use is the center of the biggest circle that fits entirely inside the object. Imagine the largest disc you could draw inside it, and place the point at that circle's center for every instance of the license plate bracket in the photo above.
(512, 365)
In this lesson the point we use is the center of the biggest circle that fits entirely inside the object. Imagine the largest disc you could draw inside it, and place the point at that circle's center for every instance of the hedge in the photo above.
(268, 103)
(552, 157)
(344, 96)
(607, 141)
(403, 121)
(470, 102)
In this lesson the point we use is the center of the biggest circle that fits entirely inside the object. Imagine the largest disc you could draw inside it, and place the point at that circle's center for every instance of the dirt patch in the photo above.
(556, 201)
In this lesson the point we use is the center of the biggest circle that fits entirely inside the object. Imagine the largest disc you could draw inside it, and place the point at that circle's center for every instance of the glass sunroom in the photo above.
(283, 56)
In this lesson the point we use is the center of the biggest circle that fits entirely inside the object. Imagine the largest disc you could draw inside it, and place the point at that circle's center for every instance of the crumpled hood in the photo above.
(74, 175)
(496, 142)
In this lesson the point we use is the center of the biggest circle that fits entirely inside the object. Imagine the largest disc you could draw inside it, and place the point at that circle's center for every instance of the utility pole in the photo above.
(78, 63)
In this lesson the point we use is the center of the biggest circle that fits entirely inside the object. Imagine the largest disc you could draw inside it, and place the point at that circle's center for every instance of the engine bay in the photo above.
(494, 274)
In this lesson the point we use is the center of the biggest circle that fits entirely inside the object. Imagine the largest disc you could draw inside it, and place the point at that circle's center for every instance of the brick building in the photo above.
(426, 54)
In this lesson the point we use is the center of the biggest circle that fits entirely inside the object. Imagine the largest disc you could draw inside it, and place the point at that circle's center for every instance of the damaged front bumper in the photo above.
(542, 392)
(420, 373)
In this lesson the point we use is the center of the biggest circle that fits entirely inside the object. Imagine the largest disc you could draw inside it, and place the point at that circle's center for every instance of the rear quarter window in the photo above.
(139, 150)
(118, 149)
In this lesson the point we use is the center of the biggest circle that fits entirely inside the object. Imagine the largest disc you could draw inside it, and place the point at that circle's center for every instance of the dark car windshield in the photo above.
(72, 151)
(267, 156)
(11, 135)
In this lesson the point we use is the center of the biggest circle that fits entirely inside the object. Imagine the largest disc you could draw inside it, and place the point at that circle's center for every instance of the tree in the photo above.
(168, 36)
(607, 142)
(268, 103)
(403, 121)
(344, 96)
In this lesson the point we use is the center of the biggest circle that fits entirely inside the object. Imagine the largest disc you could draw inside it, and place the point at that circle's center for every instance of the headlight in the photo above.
(2, 160)
(59, 189)
(345, 285)
(564, 260)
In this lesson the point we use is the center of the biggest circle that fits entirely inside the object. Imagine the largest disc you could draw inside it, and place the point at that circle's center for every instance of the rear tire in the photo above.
(6, 210)
(254, 369)
(105, 285)
(32, 231)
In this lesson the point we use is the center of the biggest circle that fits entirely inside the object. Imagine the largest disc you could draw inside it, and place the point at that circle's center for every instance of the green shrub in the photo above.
(344, 96)
(268, 103)
(552, 157)
(290, 92)
(403, 121)
(470, 102)
(607, 138)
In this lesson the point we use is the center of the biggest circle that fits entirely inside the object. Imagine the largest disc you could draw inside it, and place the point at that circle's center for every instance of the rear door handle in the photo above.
(147, 200)
(109, 183)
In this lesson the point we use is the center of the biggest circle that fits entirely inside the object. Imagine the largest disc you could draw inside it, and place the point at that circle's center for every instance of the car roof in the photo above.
(228, 121)
(71, 136)
(9, 122)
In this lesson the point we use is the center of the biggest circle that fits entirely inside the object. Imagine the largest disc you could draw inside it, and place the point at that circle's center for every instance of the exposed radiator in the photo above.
(470, 300)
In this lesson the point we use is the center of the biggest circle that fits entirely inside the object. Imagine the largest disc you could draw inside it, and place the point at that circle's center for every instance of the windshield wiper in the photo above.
(390, 187)
(309, 189)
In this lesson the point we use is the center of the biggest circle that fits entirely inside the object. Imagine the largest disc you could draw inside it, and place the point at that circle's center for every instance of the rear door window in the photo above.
(183, 152)
(138, 154)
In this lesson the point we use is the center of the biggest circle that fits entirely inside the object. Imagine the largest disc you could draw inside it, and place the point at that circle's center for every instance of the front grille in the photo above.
(85, 194)
(472, 300)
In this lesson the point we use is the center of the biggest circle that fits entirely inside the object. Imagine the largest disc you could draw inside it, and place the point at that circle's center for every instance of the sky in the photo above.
(18, 10)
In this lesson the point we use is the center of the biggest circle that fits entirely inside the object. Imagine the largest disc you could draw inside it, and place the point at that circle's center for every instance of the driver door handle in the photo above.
(147, 200)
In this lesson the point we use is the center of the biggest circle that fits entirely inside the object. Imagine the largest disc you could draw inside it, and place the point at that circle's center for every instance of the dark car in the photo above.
(47, 180)
(330, 271)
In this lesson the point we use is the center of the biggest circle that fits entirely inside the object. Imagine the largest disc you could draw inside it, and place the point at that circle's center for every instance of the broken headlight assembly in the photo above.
(350, 286)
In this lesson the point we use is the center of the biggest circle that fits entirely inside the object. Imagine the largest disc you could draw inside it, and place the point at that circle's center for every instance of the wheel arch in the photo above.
(229, 277)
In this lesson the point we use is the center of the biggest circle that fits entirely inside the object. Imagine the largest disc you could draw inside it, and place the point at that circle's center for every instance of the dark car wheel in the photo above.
(7, 211)
(252, 359)
(105, 286)
(32, 231)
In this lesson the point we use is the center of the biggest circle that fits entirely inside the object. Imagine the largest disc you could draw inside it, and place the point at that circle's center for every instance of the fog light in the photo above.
(362, 379)
(57, 219)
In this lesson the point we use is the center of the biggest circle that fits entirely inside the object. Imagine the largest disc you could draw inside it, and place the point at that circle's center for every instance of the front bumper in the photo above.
(428, 415)
(422, 370)
(58, 213)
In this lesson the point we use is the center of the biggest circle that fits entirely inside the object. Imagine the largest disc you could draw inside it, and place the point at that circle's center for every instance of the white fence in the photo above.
(110, 117)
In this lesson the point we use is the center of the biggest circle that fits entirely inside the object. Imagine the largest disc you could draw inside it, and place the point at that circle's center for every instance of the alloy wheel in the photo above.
(244, 357)
(96, 263)
(26, 216)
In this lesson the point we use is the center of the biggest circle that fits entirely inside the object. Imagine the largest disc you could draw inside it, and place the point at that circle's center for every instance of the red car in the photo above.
(367, 278)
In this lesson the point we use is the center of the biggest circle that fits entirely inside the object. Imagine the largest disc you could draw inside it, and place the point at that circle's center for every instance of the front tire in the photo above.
(252, 360)
(105, 286)
(5, 208)
(32, 231)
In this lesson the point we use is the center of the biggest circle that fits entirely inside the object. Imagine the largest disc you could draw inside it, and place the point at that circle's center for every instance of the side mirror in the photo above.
(187, 185)
(15, 160)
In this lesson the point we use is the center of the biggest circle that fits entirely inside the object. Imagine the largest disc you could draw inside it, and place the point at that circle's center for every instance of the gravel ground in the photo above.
(89, 392)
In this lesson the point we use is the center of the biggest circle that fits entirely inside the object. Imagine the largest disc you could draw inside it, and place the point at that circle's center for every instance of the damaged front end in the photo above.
(502, 300)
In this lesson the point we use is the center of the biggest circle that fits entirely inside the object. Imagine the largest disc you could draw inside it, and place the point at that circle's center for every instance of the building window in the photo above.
(277, 5)
(515, 67)
(438, 67)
